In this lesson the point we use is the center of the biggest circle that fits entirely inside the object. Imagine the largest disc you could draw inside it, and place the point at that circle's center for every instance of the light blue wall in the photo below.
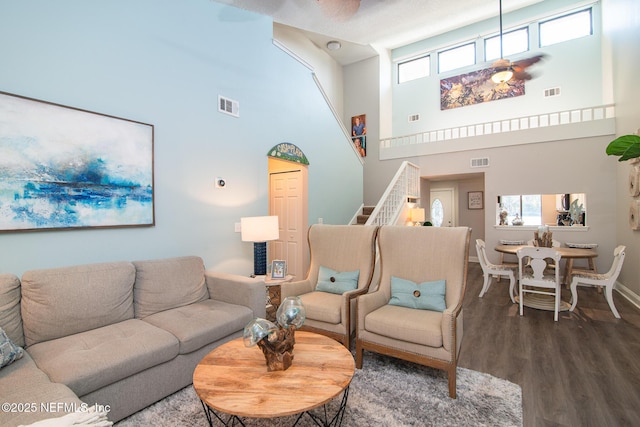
(165, 62)
(574, 66)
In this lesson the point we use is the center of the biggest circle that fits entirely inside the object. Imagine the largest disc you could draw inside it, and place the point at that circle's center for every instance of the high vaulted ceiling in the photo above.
(361, 25)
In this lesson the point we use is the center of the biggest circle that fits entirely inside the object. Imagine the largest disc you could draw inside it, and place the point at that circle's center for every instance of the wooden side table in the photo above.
(273, 295)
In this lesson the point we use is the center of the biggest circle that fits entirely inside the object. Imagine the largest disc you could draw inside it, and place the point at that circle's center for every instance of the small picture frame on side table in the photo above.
(278, 269)
(475, 199)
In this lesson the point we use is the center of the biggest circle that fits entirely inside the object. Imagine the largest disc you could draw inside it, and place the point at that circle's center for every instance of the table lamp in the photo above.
(259, 230)
(417, 216)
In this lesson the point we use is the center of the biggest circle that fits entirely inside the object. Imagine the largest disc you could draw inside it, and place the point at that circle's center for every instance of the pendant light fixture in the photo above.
(502, 68)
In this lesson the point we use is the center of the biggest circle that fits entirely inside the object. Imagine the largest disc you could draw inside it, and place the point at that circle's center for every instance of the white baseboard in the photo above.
(628, 294)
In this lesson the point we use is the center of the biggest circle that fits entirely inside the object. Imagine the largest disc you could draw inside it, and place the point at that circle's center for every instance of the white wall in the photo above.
(165, 62)
(328, 71)
(566, 66)
(363, 92)
(622, 34)
(557, 166)
(546, 168)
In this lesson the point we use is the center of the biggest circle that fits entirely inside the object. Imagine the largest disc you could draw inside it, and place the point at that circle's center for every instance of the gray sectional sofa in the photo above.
(122, 334)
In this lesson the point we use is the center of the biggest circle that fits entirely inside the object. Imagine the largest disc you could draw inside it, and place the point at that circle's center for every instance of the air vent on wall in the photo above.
(414, 117)
(480, 162)
(554, 91)
(228, 106)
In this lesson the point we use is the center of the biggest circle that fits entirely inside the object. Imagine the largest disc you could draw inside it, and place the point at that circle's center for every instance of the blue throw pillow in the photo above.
(9, 352)
(335, 282)
(424, 296)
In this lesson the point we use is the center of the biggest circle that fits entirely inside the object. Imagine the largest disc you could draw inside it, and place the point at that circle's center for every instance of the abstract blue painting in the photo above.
(66, 168)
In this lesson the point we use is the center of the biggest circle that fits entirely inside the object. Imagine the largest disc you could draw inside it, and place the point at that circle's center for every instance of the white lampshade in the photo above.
(259, 228)
(502, 76)
(417, 215)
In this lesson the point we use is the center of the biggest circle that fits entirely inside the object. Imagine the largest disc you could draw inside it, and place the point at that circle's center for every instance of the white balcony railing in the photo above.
(577, 119)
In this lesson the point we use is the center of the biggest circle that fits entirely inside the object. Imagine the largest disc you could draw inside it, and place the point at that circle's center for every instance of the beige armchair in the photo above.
(419, 335)
(343, 249)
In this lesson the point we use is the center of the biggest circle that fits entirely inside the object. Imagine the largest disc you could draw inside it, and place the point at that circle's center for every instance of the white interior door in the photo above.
(442, 207)
(287, 202)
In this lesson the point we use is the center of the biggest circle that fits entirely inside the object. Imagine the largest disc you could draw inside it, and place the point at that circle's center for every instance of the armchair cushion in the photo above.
(323, 306)
(424, 296)
(336, 282)
(423, 327)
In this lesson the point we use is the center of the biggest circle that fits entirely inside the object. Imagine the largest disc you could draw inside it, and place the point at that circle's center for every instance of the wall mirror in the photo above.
(542, 209)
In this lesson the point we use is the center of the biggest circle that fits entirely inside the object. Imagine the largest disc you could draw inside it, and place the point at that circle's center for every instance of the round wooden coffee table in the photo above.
(233, 379)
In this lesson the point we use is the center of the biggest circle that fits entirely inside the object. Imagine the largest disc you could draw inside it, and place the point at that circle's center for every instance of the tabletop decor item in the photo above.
(543, 237)
(277, 340)
(517, 220)
(278, 269)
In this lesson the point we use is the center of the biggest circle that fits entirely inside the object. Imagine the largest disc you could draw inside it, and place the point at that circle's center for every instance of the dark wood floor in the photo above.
(583, 370)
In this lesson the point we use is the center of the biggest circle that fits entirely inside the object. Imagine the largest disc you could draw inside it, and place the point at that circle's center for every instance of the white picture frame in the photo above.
(278, 269)
(475, 200)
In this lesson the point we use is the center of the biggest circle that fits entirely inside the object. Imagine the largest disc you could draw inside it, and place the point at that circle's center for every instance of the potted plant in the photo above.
(625, 146)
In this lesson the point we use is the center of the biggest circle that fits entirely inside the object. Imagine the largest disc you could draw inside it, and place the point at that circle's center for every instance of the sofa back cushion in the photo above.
(168, 283)
(63, 301)
(10, 319)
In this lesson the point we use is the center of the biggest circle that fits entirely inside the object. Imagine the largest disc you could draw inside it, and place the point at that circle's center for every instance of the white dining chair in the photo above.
(604, 280)
(533, 280)
(495, 270)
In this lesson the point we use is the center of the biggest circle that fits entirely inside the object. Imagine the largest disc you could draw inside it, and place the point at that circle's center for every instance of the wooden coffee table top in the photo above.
(234, 379)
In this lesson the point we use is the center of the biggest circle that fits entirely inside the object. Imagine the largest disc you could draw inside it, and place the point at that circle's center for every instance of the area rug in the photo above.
(386, 392)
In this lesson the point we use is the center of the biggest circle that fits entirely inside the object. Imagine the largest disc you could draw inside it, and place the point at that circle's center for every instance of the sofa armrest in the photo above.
(300, 287)
(236, 289)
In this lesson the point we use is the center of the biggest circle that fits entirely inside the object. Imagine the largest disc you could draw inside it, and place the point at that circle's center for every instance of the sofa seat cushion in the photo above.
(202, 323)
(323, 306)
(93, 359)
(58, 302)
(164, 284)
(22, 382)
(417, 326)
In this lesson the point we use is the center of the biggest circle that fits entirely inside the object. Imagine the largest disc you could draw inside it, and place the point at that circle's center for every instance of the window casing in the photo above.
(566, 27)
(513, 42)
(414, 69)
(528, 207)
(457, 57)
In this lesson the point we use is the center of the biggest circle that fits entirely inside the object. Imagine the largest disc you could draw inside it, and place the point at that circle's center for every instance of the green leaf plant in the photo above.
(625, 146)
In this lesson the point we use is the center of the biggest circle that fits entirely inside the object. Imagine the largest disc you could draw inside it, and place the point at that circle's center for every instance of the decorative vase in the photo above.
(517, 220)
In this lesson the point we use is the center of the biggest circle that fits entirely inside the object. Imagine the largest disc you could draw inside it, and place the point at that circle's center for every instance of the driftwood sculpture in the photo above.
(544, 241)
(278, 348)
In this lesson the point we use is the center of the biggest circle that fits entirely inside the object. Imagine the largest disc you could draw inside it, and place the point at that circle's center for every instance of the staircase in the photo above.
(364, 216)
(403, 189)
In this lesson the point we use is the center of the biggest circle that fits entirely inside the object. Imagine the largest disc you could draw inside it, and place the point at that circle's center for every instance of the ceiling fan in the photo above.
(505, 70)
(340, 10)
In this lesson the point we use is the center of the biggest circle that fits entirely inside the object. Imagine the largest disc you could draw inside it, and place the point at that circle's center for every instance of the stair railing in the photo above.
(405, 185)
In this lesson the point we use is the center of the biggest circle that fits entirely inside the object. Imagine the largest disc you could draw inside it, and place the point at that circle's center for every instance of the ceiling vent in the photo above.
(414, 117)
(228, 106)
(554, 91)
(480, 162)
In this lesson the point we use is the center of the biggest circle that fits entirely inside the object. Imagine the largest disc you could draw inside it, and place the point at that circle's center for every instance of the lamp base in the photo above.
(260, 258)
